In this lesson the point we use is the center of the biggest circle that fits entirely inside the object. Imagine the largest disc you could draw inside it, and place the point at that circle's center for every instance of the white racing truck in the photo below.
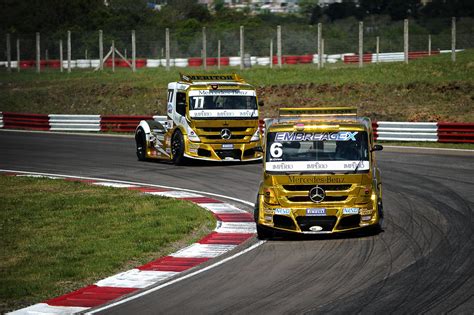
(209, 117)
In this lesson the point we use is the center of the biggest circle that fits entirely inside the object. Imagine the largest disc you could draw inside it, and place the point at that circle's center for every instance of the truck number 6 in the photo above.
(275, 150)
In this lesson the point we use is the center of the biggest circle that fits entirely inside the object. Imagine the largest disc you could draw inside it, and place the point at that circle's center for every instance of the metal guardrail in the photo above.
(383, 130)
(406, 131)
(74, 122)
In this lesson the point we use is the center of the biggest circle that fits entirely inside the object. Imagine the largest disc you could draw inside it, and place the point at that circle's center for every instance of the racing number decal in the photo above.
(275, 150)
(199, 102)
(170, 96)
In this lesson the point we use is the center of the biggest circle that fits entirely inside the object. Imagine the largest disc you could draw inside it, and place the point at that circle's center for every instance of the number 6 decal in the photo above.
(275, 150)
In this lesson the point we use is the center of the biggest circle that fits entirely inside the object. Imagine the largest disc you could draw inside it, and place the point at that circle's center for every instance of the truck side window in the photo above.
(181, 103)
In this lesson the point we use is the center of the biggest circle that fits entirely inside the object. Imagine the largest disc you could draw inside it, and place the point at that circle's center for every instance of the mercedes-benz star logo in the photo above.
(317, 194)
(225, 134)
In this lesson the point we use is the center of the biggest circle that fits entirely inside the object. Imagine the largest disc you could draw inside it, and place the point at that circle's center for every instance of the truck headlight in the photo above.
(256, 136)
(269, 196)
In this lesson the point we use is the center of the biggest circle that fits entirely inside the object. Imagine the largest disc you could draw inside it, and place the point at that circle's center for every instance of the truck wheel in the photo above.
(140, 139)
(263, 233)
(177, 148)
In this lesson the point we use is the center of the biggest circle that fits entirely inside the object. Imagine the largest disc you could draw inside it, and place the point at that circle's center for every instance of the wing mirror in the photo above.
(258, 149)
(377, 147)
(260, 103)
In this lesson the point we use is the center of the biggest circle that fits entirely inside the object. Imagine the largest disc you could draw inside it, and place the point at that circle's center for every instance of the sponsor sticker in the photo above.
(284, 211)
(302, 136)
(193, 150)
(316, 212)
(350, 210)
(227, 146)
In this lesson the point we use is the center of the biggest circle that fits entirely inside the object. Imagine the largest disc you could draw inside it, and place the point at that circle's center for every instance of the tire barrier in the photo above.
(383, 130)
(234, 227)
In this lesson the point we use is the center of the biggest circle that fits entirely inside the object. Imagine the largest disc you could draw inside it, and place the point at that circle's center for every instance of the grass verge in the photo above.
(58, 236)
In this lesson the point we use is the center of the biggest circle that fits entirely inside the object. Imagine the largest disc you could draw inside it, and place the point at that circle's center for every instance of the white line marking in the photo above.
(136, 278)
(221, 208)
(174, 194)
(236, 227)
(115, 185)
(164, 285)
(197, 250)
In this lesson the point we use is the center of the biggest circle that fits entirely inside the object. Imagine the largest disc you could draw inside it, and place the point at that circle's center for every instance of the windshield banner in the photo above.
(301, 166)
(216, 113)
(302, 136)
(222, 92)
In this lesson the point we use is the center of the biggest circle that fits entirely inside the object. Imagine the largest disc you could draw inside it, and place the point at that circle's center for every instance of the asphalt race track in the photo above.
(422, 262)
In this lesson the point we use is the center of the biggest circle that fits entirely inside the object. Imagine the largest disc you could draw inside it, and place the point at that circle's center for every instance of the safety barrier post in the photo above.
(38, 53)
(279, 46)
(453, 39)
(405, 39)
(241, 47)
(9, 56)
(204, 51)
(319, 44)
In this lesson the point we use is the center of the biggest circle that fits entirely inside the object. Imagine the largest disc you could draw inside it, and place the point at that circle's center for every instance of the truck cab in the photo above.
(209, 117)
(320, 174)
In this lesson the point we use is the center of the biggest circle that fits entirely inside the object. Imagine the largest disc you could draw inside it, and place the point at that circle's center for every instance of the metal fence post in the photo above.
(319, 44)
(38, 53)
(101, 50)
(219, 54)
(9, 56)
(61, 55)
(361, 44)
(271, 53)
(405, 39)
(279, 46)
(167, 49)
(429, 45)
(241, 47)
(322, 52)
(134, 52)
(377, 49)
(18, 55)
(453, 39)
(204, 51)
(69, 51)
(113, 56)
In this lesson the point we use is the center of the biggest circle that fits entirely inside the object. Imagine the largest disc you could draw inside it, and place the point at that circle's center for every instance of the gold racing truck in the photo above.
(319, 174)
(209, 117)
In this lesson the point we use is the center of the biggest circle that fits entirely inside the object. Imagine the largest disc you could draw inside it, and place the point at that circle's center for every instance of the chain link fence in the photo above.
(295, 40)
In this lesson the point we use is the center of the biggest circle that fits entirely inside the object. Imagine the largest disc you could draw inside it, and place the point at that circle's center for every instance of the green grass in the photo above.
(429, 89)
(57, 236)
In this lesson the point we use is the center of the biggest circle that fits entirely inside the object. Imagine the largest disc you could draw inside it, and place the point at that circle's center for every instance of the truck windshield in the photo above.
(223, 102)
(317, 152)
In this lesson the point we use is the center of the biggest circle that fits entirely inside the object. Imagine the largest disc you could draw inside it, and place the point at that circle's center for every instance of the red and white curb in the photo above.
(234, 226)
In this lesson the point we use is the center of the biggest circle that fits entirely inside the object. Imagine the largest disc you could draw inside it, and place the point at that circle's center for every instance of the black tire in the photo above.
(140, 139)
(377, 228)
(264, 233)
(177, 148)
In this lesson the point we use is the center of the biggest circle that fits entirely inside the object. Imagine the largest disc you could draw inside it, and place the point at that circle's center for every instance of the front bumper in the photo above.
(331, 220)
(228, 152)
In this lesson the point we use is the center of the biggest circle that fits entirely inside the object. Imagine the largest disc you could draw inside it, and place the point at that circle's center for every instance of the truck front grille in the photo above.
(283, 222)
(325, 187)
(351, 221)
(307, 199)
